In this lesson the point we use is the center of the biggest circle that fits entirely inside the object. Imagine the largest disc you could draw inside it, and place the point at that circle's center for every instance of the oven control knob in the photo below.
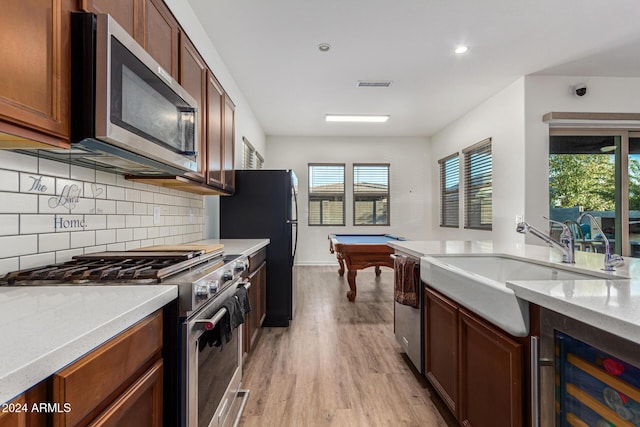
(241, 265)
(213, 285)
(227, 275)
(202, 290)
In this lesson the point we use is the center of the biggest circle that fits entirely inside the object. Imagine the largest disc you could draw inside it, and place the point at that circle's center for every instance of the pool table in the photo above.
(359, 251)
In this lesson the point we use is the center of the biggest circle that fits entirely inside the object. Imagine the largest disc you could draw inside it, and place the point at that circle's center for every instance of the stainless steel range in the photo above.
(207, 375)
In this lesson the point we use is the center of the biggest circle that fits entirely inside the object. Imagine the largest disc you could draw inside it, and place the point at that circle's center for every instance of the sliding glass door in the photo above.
(597, 171)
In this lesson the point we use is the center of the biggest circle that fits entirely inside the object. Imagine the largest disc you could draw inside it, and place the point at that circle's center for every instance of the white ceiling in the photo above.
(270, 47)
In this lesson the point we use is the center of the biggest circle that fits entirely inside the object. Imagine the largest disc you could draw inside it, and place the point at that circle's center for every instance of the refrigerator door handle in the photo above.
(292, 221)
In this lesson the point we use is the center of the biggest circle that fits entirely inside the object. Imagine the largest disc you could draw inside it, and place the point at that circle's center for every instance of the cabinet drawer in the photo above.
(139, 406)
(256, 259)
(91, 381)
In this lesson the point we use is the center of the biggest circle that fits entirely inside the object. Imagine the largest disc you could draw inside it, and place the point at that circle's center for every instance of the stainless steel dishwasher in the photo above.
(408, 324)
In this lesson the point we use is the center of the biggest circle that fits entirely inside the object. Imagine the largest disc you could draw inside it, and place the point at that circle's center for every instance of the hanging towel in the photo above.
(243, 298)
(406, 281)
(222, 333)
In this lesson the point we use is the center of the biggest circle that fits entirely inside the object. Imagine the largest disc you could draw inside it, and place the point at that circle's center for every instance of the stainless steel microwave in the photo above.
(127, 113)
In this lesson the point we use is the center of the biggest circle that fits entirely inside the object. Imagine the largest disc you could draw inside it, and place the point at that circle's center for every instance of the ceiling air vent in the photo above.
(374, 83)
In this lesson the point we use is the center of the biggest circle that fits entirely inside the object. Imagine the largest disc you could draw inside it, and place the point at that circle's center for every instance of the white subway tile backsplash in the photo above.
(95, 222)
(11, 246)
(64, 256)
(50, 167)
(124, 234)
(18, 162)
(117, 247)
(9, 264)
(82, 174)
(120, 181)
(36, 260)
(105, 206)
(115, 193)
(104, 237)
(140, 233)
(146, 197)
(85, 206)
(9, 225)
(95, 191)
(135, 244)
(116, 221)
(52, 204)
(18, 203)
(94, 249)
(9, 180)
(80, 239)
(53, 242)
(140, 208)
(36, 224)
(50, 211)
(132, 195)
(124, 208)
(105, 177)
(132, 221)
(37, 184)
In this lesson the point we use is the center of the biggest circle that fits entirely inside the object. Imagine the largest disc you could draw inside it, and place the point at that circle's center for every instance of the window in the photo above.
(478, 186)
(450, 191)
(370, 194)
(326, 194)
(251, 159)
(597, 171)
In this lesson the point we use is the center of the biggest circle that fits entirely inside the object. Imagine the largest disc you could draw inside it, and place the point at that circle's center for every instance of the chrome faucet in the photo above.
(564, 245)
(610, 260)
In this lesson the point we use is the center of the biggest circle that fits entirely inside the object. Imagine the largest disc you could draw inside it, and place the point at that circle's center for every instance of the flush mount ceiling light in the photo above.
(324, 47)
(356, 118)
(461, 49)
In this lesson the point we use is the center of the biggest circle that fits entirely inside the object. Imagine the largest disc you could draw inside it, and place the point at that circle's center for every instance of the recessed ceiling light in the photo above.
(356, 118)
(461, 49)
(324, 47)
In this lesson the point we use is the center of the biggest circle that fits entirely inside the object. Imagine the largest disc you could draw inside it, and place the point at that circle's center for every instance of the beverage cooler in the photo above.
(589, 377)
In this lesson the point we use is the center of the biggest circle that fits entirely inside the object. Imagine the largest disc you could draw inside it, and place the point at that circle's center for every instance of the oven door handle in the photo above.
(209, 324)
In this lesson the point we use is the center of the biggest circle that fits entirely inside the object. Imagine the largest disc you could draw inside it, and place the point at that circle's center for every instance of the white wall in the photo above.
(545, 94)
(410, 198)
(501, 118)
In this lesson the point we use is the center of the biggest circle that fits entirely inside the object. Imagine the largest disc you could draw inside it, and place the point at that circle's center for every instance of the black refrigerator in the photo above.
(265, 206)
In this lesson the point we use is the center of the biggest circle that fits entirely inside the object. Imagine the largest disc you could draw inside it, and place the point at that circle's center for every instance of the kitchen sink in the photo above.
(479, 282)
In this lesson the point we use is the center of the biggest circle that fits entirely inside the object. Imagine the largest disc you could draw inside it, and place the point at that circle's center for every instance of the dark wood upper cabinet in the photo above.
(229, 144)
(215, 111)
(193, 78)
(161, 35)
(128, 13)
(34, 88)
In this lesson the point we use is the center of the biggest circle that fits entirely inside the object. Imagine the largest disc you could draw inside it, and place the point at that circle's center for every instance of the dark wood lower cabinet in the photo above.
(491, 389)
(441, 342)
(257, 298)
(477, 368)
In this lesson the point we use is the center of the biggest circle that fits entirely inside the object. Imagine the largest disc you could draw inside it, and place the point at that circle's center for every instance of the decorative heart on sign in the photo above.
(97, 191)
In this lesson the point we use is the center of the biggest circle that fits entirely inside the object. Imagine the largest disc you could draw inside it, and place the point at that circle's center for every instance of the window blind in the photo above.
(251, 159)
(326, 194)
(370, 194)
(450, 191)
(478, 166)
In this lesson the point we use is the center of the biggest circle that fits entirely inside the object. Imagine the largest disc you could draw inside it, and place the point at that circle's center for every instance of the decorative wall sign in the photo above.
(69, 196)
(69, 224)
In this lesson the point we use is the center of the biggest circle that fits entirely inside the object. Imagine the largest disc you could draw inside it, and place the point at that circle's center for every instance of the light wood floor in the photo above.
(338, 364)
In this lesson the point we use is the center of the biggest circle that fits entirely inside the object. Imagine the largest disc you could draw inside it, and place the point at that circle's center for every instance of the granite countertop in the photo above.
(46, 328)
(611, 304)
